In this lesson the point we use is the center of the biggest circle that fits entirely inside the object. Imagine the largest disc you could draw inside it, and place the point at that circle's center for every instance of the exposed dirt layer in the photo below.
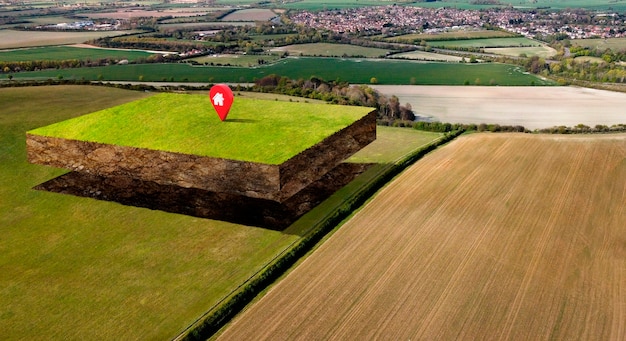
(205, 204)
(492, 237)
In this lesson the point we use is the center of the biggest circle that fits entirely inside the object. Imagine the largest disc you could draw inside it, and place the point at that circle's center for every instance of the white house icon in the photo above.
(218, 99)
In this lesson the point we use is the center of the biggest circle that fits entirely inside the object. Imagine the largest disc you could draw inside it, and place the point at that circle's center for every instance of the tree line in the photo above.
(337, 92)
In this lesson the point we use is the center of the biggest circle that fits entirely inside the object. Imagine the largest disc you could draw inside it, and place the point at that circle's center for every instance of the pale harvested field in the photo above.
(492, 237)
(423, 55)
(134, 13)
(10, 39)
(254, 14)
(539, 51)
(532, 107)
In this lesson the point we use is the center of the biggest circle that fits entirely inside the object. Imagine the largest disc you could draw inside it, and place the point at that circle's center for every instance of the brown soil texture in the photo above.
(252, 179)
(205, 204)
(491, 237)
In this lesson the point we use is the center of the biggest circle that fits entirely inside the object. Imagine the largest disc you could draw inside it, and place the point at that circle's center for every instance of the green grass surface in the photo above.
(614, 44)
(11, 39)
(405, 141)
(332, 50)
(485, 42)
(358, 71)
(260, 131)
(539, 51)
(67, 52)
(74, 268)
(460, 34)
(77, 268)
(235, 59)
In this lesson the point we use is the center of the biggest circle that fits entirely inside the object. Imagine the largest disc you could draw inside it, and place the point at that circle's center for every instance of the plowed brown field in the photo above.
(492, 237)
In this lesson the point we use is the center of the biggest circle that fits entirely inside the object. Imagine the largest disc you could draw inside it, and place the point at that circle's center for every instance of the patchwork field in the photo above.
(331, 50)
(78, 268)
(539, 51)
(492, 237)
(485, 42)
(531, 107)
(458, 34)
(127, 14)
(614, 44)
(69, 52)
(353, 70)
(430, 56)
(10, 39)
(251, 14)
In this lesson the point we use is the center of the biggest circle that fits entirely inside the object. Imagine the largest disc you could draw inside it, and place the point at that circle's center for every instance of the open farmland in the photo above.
(331, 50)
(69, 52)
(531, 107)
(235, 59)
(135, 13)
(485, 42)
(353, 70)
(250, 14)
(492, 237)
(539, 51)
(451, 35)
(76, 268)
(430, 56)
(614, 44)
(10, 39)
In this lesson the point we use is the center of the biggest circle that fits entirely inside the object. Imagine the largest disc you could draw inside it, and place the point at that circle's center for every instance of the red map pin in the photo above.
(221, 98)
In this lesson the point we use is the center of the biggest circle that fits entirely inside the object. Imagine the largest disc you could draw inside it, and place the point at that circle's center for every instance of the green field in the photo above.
(11, 39)
(331, 50)
(68, 52)
(76, 268)
(261, 131)
(431, 56)
(358, 71)
(452, 35)
(615, 44)
(539, 51)
(484, 42)
(235, 59)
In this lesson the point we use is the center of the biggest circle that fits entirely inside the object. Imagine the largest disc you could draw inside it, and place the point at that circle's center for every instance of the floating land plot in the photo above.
(266, 150)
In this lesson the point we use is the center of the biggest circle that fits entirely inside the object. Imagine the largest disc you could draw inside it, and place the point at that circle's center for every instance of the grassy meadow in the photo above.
(351, 70)
(76, 268)
(614, 44)
(539, 51)
(452, 35)
(69, 52)
(10, 39)
(235, 59)
(262, 131)
(331, 50)
(485, 42)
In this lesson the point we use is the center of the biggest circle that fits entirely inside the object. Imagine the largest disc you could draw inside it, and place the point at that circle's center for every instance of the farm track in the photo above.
(490, 237)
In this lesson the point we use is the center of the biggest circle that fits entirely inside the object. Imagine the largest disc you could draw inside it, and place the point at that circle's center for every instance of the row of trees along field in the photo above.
(389, 108)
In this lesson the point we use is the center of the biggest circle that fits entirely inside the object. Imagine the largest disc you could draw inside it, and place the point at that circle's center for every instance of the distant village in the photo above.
(392, 20)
